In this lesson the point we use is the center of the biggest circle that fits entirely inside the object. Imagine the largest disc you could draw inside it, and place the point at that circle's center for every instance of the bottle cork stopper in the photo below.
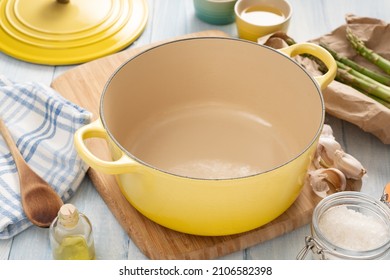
(68, 215)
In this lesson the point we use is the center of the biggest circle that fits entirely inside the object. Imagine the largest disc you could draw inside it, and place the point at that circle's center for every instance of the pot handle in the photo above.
(96, 130)
(319, 52)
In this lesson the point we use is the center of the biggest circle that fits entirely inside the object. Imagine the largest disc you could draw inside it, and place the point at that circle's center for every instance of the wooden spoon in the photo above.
(39, 200)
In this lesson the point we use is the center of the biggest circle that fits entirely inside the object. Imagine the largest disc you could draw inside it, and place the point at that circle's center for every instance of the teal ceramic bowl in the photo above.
(216, 12)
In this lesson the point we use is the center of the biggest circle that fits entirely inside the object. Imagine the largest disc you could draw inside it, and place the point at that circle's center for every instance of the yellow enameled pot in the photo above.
(210, 136)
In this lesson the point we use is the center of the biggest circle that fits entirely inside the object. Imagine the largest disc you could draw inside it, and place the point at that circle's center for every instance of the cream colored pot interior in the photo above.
(212, 108)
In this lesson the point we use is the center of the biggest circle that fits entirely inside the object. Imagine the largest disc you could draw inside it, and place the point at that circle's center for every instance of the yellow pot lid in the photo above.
(56, 33)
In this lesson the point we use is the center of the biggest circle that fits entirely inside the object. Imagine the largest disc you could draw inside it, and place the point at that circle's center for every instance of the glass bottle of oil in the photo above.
(71, 235)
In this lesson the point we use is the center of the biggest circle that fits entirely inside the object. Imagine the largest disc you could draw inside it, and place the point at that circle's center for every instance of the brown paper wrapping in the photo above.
(344, 102)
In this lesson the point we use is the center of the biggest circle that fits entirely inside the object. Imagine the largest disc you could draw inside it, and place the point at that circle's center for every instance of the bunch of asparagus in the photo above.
(371, 83)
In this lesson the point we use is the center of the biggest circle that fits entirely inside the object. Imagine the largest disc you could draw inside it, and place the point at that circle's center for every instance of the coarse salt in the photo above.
(352, 230)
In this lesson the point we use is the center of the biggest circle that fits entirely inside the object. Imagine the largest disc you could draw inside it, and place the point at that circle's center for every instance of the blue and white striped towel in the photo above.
(42, 123)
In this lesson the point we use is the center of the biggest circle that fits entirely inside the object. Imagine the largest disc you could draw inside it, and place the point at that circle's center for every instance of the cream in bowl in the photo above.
(257, 18)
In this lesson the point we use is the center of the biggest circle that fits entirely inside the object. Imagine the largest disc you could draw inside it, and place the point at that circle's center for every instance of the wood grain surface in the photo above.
(83, 85)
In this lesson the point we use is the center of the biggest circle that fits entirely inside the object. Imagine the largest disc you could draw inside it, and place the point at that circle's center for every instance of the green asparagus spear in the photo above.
(360, 85)
(357, 80)
(360, 75)
(367, 53)
(383, 79)
(384, 103)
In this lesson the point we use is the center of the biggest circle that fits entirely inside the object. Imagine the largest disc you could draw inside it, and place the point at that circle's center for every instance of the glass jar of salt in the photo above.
(349, 225)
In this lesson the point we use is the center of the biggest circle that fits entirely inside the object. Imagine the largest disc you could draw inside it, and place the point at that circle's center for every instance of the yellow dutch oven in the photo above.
(210, 136)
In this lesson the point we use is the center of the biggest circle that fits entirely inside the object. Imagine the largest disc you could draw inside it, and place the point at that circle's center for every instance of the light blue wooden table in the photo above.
(171, 18)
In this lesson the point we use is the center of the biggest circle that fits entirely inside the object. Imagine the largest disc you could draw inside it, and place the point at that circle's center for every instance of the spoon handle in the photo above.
(27, 176)
(10, 143)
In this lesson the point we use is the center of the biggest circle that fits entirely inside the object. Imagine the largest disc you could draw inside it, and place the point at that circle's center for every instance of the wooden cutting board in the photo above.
(83, 85)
